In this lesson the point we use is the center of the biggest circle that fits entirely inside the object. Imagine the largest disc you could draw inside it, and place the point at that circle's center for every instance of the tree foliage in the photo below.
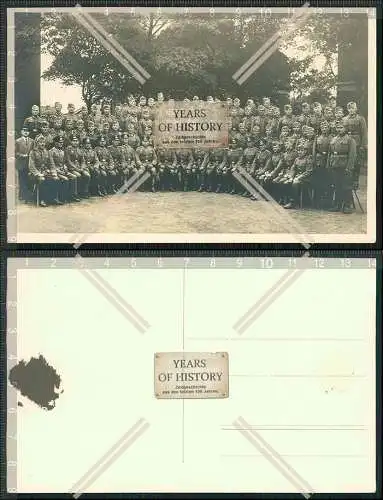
(194, 54)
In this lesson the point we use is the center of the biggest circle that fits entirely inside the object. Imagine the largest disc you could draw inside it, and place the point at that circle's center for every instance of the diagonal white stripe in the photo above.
(97, 26)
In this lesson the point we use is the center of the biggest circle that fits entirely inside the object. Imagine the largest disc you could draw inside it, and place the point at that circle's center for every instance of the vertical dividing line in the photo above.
(183, 349)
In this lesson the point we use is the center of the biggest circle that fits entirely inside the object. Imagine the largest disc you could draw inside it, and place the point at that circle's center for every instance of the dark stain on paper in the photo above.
(38, 381)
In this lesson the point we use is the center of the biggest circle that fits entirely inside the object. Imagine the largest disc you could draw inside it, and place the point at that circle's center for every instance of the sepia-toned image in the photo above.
(191, 125)
(167, 375)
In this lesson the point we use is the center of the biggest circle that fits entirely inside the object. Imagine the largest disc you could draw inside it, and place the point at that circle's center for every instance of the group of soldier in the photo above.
(315, 149)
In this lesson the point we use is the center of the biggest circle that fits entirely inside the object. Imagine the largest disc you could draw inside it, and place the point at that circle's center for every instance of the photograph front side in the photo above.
(169, 126)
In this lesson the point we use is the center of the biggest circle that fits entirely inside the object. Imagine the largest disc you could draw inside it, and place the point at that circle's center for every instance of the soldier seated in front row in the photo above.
(44, 178)
(299, 175)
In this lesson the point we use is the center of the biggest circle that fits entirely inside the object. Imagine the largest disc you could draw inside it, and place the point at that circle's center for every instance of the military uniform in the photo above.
(74, 161)
(261, 159)
(282, 171)
(107, 171)
(23, 147)
(33, 124)
(287, 121)
(236, 114)
(234, 160)
(184, 162)
(341, 163)
(200, 160)
(166, 166)
(120, 165)
(43, 175)
(134, 141)
(321, 179)
(300, 174)
(357, 129)
(129, 160)
(92, 165)
(66, 188)
(270, 171)
(214, 169)
(261, 121)
(146, 158)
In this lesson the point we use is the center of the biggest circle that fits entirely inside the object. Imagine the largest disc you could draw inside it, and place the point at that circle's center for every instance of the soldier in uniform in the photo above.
(94, 116)
(261, 119)
(113, 131)
(272, 163)
(273, 117)
(341, 163)
(309, 138)
(160, 98)
(23, 146)
(129, 157)
(80, 130)
(74, 161)
(249, 160)
(48, 136)
(248, 118)
(241, 135)
(296, 132)
(146, 158)
(71, 113)
(284, 135)
(356, 127)
(83, 115)
(320, 179)
(263, 154)
(304, 117)
(200, 160)
(256, 135)
(105, 132)
(166, 162)
(57, 114)
(184, 165)
(42, 174)
(69, 129)
(33, 122)
(133, 138)
(281, 173)
(145, 121)
(106, 166)
(92, 133)
(106, 115)
(269, 137)
(299, 175)
(236, 113)
(66, 179)
(90, 163)
(316, 117)
(287, 119)
(119, 162)
(234, 161)
(215, 169)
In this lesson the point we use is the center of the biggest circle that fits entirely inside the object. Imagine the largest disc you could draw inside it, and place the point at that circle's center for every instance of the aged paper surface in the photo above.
(191, 202)
(190, 375)
(300, 416)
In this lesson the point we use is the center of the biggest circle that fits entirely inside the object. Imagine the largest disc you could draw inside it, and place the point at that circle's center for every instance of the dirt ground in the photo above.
(179, 212)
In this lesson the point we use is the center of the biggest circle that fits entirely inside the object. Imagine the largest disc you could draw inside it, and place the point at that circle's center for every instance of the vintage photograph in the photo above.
(191, 125)
(194, 396)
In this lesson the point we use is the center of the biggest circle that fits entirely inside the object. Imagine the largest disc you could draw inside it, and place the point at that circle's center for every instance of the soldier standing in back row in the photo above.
(33, 122)
(23, 146)
(356, 127)
(341, 163)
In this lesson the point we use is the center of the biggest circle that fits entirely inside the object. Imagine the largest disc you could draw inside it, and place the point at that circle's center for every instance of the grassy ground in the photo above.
(191, 212)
